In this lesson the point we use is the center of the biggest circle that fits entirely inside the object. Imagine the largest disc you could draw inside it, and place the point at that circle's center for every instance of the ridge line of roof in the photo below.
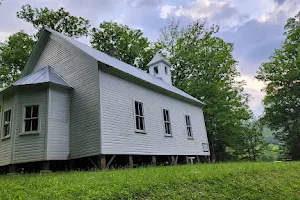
(122, 66)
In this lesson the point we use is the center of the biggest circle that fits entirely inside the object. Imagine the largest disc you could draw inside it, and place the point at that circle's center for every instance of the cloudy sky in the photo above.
(254, 26)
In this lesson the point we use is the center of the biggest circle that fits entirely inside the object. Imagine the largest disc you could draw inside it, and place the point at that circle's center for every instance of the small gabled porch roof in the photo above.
(44, 75)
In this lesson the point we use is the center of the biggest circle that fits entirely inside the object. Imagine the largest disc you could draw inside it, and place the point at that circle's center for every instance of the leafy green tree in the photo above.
(282, 78)
(15, 51)
(129, 45)
(249, 144)
(13, 56)
(204, 67)
(60, 20)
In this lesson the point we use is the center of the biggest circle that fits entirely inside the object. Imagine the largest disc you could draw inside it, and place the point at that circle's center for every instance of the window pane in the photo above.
(141, 109)
(35, 111)
(155, 70)
(137, 123)
(28, 112)
(166, 70)
(34, 124)
(7, 116)
(189, 131)
(136, 105)
(6, 130)
(168, 128)
(27, 125)
(165, 117)
(187, 119)
(142, 123)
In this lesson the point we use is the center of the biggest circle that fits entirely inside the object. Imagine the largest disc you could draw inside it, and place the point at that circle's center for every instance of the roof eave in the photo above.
(155, 63)
(108, 68)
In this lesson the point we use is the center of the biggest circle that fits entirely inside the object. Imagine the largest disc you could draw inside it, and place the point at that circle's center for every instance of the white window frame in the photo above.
(140, 116)
(168, 121)
(205, 147)
(156, 67)
(188, 126)
(4, 123)
(31, 118)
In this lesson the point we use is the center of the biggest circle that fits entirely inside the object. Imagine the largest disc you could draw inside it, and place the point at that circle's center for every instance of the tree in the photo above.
(129, 45)
(282, 78)
(60, 20)
(13, 56)
(15, 51)
(204, 67)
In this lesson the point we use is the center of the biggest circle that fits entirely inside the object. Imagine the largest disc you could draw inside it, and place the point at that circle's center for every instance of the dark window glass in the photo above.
(34, 124)
(28, 112)
(188, 126)
(166, 70)
(6, 130)
(35, 110)
(139, 116)
(167, 122)
(141, 123)
(6, 125)
(155, 70)
(27, 125)
(137, 108)
(141, 109)
(31, 118)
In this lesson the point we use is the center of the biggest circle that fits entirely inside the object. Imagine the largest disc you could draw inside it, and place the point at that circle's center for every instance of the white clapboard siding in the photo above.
(29, 148)
(82, 74)
(58, 124)
(5, 145)
(117, 122)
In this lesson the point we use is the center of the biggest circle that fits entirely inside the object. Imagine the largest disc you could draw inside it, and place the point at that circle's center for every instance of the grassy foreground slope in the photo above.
(203, 181)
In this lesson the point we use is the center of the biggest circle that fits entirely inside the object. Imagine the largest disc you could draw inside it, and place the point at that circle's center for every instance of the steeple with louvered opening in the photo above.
(160, 68)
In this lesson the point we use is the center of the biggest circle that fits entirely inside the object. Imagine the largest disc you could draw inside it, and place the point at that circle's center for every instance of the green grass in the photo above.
(203, 181)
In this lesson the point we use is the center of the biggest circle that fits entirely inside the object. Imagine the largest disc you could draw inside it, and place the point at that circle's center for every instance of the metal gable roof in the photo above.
(44, 75)
(122, 66)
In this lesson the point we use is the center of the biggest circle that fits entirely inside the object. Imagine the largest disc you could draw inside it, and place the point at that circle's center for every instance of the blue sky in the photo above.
(254, 26)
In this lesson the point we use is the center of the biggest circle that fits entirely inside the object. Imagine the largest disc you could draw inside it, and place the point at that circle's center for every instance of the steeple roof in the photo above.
(158, 58)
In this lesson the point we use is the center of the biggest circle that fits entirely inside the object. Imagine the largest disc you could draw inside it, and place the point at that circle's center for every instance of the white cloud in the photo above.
(4, 35)
(254, 88)
(196, 10)
(288, 8)
(232, 13)
(166, 10)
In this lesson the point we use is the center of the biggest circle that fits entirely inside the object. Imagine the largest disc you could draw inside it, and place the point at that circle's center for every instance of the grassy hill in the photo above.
(202, 181)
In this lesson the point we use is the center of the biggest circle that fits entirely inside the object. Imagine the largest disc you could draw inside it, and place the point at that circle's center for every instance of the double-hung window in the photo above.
(139, 116)
(31, 119)
(167, 122)
(188, 126)
(6, 124)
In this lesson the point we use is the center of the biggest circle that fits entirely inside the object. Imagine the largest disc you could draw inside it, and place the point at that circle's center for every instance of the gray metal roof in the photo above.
(158, 58)
(124, 67)
(44, 75)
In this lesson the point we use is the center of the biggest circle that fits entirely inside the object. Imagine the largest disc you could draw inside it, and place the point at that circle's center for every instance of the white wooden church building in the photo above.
(74, 102)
